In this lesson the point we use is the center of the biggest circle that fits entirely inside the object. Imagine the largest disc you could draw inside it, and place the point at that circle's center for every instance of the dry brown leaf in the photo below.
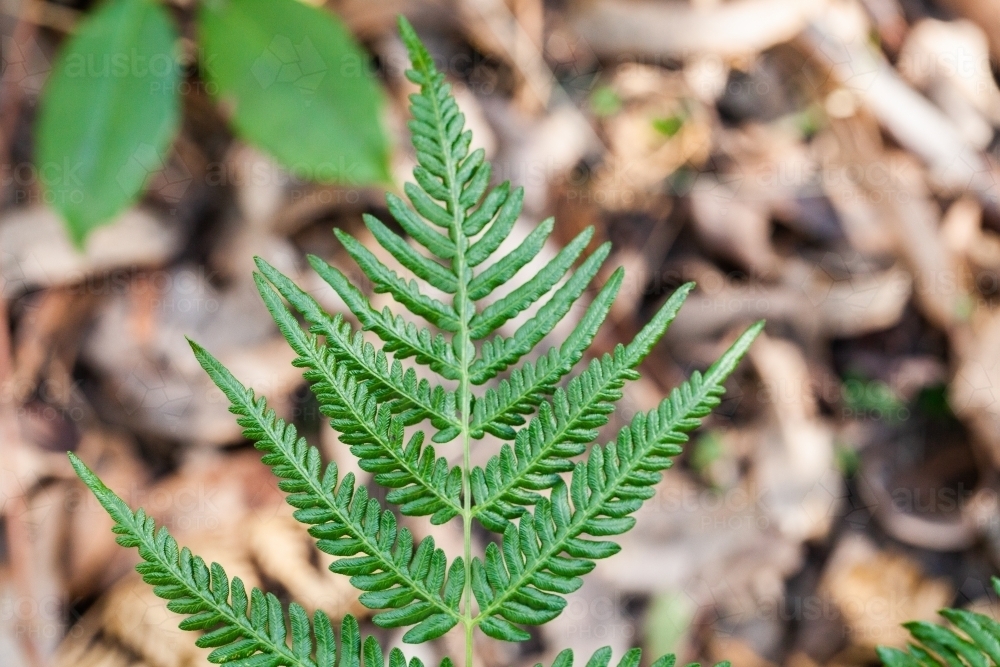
(974, 391)
(950, 61)
(734, 229)
(285, 554)
(157, 386)
(876, 591)
(37, 251)
(795, 464)
(614, 27)
(838, 40)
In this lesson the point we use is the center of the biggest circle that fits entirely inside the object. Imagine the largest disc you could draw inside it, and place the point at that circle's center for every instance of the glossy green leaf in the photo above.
(109, 112)
(297, 85)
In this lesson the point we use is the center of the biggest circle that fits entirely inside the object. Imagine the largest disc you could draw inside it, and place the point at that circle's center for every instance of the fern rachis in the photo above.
(552, 498)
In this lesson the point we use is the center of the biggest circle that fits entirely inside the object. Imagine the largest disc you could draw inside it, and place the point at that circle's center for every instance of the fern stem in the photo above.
(465, 400)
(465, 351)
(463, 306)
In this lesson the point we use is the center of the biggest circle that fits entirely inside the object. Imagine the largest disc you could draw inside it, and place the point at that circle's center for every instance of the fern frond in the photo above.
(400, 388)
(421, 483)
(450, 184)
(499, 273)
(500, 353)
(563, 427)
(245, 630)
(524, 581)
(524, 390)
(632, 658)
(401, 338)
(417, 587)
(437, 243)
(446, 173)
(552, 531)
(975, 641)
(510, 202)
(406, 293)
(435, 274)
(496, 314)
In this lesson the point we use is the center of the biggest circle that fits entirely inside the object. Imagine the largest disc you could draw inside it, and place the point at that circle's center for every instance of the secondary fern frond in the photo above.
(496, 314)
(245, 630)
(501, 352)
(400, 388)
(975, 641)
(416, 586)
(563, 428)
(501, 408)
(421, 483)
(406, 293)
(524, 581)
(425, 268)
(403, 339)
(632, 658)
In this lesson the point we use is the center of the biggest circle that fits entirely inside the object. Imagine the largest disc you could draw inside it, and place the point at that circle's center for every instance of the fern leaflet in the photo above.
(347, 522)
(975, 641)
(245, 630)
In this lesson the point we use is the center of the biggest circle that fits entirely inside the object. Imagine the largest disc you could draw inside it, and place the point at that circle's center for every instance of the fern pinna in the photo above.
(975, 641)
(551, 498)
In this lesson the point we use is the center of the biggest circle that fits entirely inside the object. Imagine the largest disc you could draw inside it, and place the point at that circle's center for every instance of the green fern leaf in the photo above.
(632, 658)
(345, 520)
(523, 581)
(435, 274)
(244, 630)
(974, 642)
(498, 274)
(421, 483)
(406, 293)
(563, 428)
(438, 244)
(506, 206)
(388, 382)
(552, 532)
(501, 408)
(496, 314)
(402, 338)
(501, 352)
